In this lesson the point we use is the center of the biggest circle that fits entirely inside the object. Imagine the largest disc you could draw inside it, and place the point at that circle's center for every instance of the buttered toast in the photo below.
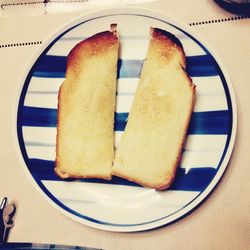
(151, 145)
(86, 105)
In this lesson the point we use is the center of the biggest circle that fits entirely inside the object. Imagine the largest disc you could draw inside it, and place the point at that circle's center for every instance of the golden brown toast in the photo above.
(86, 105)
(151, 145)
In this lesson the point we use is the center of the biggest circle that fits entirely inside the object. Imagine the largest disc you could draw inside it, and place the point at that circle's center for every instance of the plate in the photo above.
(120, 205)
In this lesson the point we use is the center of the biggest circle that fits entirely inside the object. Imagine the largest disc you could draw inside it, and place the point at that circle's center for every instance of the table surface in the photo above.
(221, 222)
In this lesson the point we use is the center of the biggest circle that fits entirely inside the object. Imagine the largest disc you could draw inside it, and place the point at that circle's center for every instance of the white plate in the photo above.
(119, 205)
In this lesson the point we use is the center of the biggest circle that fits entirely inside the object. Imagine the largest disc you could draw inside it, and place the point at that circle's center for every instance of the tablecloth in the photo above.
(221, 222)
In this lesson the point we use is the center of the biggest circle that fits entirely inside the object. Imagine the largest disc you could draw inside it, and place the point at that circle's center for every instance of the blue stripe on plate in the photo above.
(55, 66)
(211, 122)
(196, 179)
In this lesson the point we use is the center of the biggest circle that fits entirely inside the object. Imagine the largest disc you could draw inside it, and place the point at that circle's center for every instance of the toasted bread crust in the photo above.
(89, 48)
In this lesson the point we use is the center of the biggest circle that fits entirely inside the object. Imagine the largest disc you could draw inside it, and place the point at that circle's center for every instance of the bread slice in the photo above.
(151, 145)
(86, 105)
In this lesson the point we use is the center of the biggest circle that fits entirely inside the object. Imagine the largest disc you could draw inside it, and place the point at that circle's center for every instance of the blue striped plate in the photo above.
(120, 205)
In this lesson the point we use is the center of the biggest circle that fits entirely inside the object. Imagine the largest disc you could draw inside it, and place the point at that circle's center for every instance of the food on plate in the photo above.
(86, 106)
(151, 145)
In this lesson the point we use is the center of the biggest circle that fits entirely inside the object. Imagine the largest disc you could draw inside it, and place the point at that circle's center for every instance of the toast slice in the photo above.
(151, 145)
(86, 105)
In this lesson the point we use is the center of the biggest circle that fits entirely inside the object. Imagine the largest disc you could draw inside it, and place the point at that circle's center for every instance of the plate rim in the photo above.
(197, 201)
